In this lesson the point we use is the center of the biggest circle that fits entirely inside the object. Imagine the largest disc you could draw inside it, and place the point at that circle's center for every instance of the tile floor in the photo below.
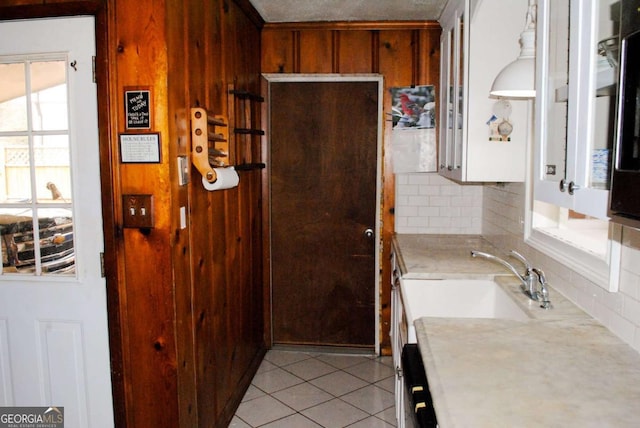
(308, 389)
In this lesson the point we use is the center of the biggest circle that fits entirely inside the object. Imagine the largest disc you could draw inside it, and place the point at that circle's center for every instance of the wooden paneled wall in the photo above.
(202, 297)
(405, 53)
(185, 304)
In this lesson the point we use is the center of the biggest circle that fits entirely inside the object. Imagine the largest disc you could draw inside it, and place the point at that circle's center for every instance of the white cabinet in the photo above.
(479, 38)
(399, 336)
(575, 105)
(396, 339)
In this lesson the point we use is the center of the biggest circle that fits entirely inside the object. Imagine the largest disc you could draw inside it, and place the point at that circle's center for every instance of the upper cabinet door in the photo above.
(479, 38)
(575, 106)
(452, 99)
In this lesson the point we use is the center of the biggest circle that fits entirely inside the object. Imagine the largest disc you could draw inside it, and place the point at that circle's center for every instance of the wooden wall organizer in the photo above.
(206, 129)
(246, 137)
(212, 146)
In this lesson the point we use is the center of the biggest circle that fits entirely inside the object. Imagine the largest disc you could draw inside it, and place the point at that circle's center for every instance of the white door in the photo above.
(54, 347)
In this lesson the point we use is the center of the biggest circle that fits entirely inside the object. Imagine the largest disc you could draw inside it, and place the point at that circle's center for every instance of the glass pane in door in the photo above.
(49, 96)
(13, 105)
(52, 172)
(36, 220)
(605, 70)
(459, 119)
(451, 109)
(557, 89)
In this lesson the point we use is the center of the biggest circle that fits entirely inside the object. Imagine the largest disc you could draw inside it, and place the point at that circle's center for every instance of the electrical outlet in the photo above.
(137, 211)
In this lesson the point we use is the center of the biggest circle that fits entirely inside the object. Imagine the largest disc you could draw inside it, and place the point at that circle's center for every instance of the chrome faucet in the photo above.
(528, 287)
(527, 280)
(544, 291)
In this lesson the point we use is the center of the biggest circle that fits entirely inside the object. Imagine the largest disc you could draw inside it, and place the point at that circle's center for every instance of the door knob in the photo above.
(368, 233)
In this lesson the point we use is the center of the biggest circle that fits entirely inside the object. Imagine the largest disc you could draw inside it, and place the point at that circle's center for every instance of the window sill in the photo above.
(561, 245)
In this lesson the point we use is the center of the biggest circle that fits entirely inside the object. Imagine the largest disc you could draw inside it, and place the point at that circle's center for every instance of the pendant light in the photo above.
(517, 79)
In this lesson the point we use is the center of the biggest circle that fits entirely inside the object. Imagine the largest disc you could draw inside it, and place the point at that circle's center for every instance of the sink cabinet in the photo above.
(397, 340)
(479, 38)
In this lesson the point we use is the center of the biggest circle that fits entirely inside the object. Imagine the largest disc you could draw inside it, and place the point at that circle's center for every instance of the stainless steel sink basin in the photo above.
(456, 298)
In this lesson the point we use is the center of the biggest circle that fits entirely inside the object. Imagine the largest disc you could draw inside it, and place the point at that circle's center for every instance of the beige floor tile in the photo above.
(371, 399)
(310, 369)
(371, 371)
(275, 380)
(293, 421)
(284, 358)
(341, 361)
(371, 422)
(338, 383)
(262, 411)
(335, 414)
(310, 390)
(302, 396)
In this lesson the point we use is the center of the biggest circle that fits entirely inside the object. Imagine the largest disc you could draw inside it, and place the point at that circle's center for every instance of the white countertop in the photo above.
(561, 368)
(444, 257)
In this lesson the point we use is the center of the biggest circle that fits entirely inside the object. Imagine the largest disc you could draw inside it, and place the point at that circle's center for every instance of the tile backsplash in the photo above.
(428, 203)
(503, 207)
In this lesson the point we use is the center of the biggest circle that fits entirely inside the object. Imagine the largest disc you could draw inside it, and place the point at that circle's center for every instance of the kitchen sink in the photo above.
(456, 298)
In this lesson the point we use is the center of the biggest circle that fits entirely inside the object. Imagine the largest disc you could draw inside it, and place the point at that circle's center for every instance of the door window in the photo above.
(36, 220)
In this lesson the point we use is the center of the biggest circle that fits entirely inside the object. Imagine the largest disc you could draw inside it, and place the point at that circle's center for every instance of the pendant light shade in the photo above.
(517, 79)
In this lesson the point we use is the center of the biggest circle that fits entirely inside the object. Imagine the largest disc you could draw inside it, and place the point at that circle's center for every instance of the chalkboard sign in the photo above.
(138, 109)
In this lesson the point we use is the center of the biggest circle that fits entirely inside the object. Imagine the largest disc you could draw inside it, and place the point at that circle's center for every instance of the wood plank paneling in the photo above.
(281, 46)
(185, 303)
(316, 51)
(355, 51)
(149, 315)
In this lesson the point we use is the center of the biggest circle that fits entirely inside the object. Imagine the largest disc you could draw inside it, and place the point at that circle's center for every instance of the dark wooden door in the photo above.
(323, 199)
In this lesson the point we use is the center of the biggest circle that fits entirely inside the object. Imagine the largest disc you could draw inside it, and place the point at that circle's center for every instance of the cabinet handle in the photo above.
(573, 187)
(563, 185)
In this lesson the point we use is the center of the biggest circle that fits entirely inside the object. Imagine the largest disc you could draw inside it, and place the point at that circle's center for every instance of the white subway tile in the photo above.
(417, 222)
(418, 201)
(429, 190)
(419, 179)
(407, 211)
(622, 327)
(439, 201)
(631, 310)
(438, 222)
(429, 211)
(407, 189)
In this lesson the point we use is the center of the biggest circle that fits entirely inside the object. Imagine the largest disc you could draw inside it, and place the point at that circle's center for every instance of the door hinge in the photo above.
(93, 68)
(102, 274)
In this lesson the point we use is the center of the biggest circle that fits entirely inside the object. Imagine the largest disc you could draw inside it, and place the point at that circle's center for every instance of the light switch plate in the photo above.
(137, 211)
(183, 217)
(183, 170)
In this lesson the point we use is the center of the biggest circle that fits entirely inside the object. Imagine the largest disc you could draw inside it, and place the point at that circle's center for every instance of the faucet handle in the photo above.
(540, 273)
(524, 261)
(543, 294)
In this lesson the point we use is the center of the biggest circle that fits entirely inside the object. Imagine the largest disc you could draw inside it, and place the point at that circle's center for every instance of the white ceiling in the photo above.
(348, 10)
